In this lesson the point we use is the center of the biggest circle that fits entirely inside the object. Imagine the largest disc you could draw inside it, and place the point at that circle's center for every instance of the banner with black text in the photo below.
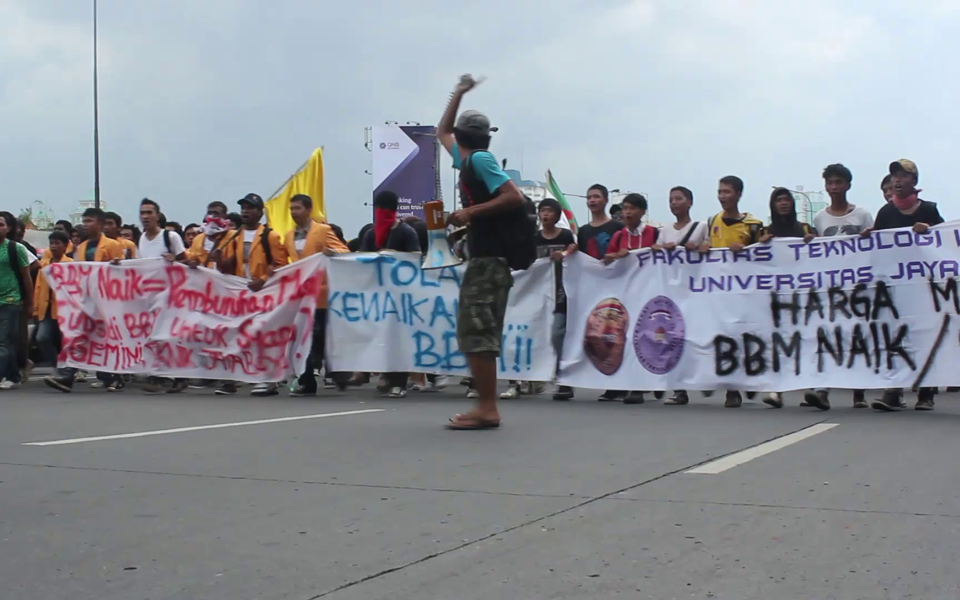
(843, 312)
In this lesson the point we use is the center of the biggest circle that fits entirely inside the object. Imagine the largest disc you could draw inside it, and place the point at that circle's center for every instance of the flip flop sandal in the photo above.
(462, 423)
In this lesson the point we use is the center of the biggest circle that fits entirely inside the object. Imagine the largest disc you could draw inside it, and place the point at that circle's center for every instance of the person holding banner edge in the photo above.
(493, 209)
(309, 238)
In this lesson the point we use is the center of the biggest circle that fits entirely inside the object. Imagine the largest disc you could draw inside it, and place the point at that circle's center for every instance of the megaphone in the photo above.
(439, 253)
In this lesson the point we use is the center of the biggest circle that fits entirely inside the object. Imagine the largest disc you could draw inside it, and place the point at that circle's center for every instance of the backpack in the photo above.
(514, 231)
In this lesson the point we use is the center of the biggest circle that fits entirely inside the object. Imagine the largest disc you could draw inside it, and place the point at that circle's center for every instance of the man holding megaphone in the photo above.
(499, 237)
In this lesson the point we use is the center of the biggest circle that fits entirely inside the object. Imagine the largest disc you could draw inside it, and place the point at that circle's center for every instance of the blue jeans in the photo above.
(9, 336)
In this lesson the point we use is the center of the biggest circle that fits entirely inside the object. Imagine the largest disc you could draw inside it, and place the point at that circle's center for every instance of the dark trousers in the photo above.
(397, 380)
(9, 341)
(317, 354)
(49, 340)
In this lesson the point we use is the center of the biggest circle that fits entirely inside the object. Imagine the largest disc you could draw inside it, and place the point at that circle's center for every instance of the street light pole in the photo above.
(96, 117)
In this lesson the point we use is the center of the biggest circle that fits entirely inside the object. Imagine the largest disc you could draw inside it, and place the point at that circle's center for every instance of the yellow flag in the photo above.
(308, 180)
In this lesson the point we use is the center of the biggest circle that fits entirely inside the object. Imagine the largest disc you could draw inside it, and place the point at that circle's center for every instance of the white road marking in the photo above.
(734, 460)
(124, 436)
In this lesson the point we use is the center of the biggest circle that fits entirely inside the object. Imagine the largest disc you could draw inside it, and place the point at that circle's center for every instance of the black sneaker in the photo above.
(227, 389)
(734, 400)
(890, 402)
(858, 400)
(751, 395)
(658, 394)
(774, 399)
(179, 386)
(924, 400)
(819, 400)
(634, 398)
(64, 384)
(301, 392)
(564, 392)
(679, 399)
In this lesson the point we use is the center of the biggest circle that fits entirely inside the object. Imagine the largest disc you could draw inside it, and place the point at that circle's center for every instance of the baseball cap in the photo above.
(474, 121)
(253, 200)
(904, 164)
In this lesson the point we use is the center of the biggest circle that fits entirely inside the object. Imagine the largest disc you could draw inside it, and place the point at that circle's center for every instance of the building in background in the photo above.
(76, 217)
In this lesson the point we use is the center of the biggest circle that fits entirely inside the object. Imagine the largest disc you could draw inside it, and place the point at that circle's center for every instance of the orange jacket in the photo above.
(197, 252)
(258, 258)
(319, 238)
(129, 248)
(106, 251)
(42, 298)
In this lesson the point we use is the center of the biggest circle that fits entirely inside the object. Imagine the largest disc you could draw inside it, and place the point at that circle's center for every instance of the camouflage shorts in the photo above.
(483, 303)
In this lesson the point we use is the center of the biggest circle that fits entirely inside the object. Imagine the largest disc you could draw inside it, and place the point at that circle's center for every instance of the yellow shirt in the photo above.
(723, 233)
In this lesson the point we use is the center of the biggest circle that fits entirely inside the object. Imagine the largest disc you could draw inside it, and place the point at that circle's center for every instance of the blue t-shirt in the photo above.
(485, 167)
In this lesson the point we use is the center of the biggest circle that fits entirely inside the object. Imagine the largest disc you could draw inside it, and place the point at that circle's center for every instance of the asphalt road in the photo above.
(575, 500)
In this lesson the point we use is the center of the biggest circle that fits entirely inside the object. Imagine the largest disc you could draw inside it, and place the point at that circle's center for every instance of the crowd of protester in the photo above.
(239, 243)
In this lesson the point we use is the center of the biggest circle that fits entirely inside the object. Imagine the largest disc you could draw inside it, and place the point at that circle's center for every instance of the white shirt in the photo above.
(671, 235)
(207, 244)
(248, 236)
(155, 248)
(851, 223)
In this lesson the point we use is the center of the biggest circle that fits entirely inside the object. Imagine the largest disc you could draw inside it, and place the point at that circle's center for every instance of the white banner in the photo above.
(387, 315)
(845, 312)
(152, 317)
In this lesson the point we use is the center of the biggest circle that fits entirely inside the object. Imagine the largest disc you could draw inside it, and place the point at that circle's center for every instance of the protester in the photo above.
(66, 228)
(77, 236)
(616, 212)
(906, 209)
(632, 236)
(111, 228)
(309, 238)
(207, 246)
(16, 301)
(173, 227)
(154, 241)
(235, 221)
(131, 233)
(886, 186)
(594, 237)
(498, 232)
(593, 240)
(555, 243)
(840, 217)
(189, 233)
(685, 233)
(48, 329)
(734, 230)
(354, 244)
(255, 253)
(390, 233)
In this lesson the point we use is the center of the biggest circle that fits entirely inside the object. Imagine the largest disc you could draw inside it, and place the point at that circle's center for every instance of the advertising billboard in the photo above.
(405, 161)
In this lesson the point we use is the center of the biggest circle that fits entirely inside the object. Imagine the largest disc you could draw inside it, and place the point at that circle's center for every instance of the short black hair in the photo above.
(551, 204)
(338, 231)
(10, 220)
(600, 188)
(217, 204)
(616, 209)
(66, 224)
(733, 181)
(837, 170)
(386, 199)
(162, 220)
(303, 199)
(96, 213)
(59, 236)
(174, 224)
(235, 219)
(191, 226)
(470, 140)
(637, 200)
(886, 181)
(683, 190)
(148, 201)
(134, 230)
(112, 216)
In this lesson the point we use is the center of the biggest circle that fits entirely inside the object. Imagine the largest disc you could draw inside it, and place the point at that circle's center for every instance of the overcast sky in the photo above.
(211, 99)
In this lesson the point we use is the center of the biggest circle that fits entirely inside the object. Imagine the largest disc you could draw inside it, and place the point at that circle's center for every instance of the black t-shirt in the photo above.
(890, 217)
(594, 240)
(402, 238)
(546, 247)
